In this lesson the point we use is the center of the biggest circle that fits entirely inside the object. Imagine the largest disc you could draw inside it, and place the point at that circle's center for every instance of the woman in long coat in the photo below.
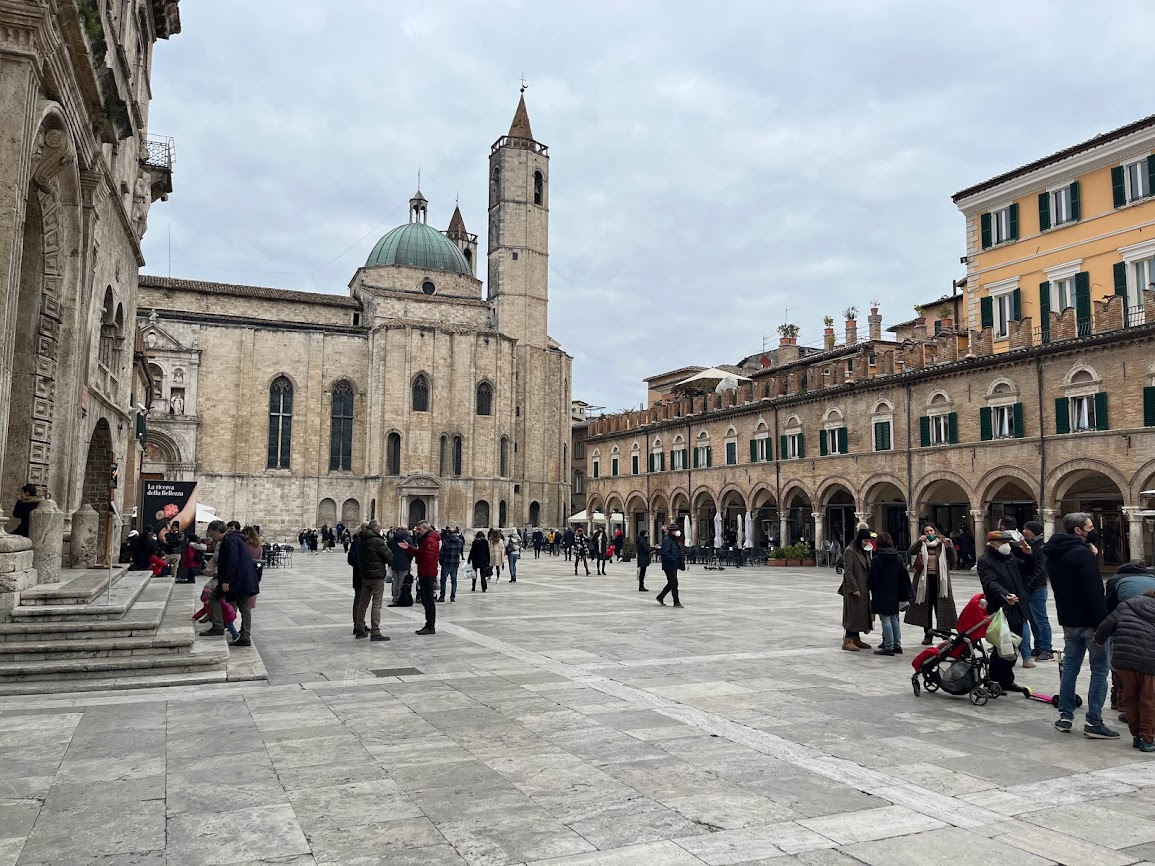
(496, 552)
(932, 558)
(855, 591)
(479, 561)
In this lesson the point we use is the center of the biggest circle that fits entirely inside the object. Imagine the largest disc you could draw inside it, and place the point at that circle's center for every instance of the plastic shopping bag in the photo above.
(1000, 636)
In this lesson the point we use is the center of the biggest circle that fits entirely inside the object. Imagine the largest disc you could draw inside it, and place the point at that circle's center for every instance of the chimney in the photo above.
(787, 350)
(875, 322)
(851, 332)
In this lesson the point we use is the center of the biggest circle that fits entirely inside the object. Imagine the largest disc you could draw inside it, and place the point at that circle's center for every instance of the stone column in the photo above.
(84, 536)
(818, 528)
(782, 529)
(46, 532)
(1049, 518)
(433, 511)
(861, 517)
(1134, 532)
(16, 570)
(403, 514)
(978, 517)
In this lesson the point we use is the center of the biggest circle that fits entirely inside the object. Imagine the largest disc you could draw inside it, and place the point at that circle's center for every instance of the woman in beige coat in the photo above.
(496, 552)
(932, 557)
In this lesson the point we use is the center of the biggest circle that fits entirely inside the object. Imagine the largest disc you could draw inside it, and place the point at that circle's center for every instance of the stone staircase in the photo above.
(80, 635)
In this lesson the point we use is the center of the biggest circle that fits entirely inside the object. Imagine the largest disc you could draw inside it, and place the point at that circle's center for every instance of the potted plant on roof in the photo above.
(828, 333)
(946, 315)
(851, 315)
(788, 334)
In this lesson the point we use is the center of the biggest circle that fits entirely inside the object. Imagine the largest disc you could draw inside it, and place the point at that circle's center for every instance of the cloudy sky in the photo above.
(715, 168)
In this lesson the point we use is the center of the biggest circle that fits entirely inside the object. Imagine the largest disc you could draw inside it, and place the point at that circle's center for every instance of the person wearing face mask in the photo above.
(933, 594)
(673, 561)
(855, 590)
(1006, 579)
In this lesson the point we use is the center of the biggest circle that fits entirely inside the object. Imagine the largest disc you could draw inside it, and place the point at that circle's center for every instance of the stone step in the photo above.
(203, 656)
(141, 620)
(109, 683)
(124, 594)
(97, 648)
(76, 586)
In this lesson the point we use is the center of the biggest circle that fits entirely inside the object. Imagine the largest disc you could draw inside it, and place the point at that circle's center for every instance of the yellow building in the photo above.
(1063, 247)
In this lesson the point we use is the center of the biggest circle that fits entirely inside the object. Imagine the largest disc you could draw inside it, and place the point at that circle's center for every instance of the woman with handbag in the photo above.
(496, 553)
(479, 561)
(933, 602)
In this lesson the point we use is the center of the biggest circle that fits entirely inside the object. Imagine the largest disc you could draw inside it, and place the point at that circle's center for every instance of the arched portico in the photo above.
(1096, 488)
(838, 517)
(884, 507)
(945, 499)
(766, 523)
(704, 507)
(797, 514)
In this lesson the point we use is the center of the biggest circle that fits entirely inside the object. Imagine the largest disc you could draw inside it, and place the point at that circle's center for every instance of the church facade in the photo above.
(416, 396)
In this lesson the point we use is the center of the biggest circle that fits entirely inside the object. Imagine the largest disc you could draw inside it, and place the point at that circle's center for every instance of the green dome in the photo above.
(417, 245)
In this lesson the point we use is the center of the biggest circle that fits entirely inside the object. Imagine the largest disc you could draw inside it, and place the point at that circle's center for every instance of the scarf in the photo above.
(943, 575)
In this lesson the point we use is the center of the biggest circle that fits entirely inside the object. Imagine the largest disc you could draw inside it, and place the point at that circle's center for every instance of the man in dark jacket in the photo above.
(567, 541)
(452, 549)
(236, 580)
(1005, 576)
(352, 552)
(538, 540)
(373, 558)
(426, 553)
(144, 547)
(1131, 628)
(673, 561)
(402, 559)
(1081, 606)
(1042, 650)
(643, 545)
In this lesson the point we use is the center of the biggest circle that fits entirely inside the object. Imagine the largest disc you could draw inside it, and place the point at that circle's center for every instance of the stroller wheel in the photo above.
(1055, 701)
(930, 685)
(979, 696)
(996, 690)
(914, 685)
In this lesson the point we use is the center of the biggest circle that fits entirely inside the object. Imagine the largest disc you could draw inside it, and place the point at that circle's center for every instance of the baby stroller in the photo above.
(959, 665)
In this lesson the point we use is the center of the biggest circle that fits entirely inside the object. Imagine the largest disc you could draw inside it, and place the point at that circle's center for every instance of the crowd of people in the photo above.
(1110, 624)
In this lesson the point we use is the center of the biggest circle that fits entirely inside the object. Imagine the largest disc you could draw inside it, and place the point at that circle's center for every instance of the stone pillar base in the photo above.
(16, 571)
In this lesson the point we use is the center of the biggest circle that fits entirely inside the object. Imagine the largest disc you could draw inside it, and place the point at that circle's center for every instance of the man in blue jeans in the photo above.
(1037, 603)
(1081, 605)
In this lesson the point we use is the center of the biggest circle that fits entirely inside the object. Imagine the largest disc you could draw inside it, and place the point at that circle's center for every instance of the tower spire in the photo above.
(520, 127)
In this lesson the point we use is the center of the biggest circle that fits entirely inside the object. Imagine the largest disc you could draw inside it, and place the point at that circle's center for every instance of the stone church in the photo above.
(417, 395)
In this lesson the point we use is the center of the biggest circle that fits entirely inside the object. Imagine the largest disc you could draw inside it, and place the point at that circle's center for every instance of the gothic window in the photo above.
(393, 454)
(443, 456)
(503, 466)
(457, 454)
(484, 399)
(578, 481)
(421, 394)
(502, 513)
(280, 423)
(538, 188)
(341, 428)
(480, 514)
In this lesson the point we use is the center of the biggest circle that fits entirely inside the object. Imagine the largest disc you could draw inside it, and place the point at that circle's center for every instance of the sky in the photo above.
(716, 169)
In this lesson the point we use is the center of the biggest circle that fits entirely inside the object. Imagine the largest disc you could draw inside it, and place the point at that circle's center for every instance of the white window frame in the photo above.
(678, 458)
(792, 445)
(1056, 195)
(1003, 421)
(831, 434)
(702, 448)
(1002, 301)
(1138, 257)
(1062, 280)
(940, 429)
(874, 433)
(763, 446)
(1139, 168)
(1001, 225)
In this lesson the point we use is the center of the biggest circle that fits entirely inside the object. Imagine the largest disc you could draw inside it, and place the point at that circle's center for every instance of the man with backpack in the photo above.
(399, 543)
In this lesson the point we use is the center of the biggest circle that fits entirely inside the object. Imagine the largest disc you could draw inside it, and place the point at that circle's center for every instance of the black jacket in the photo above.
(1075, 580)
(643, 552)
(672, 557)
(1006, 575)
(1129, 581)
(889, 582)
(402, 558)
(22, 511)
(373, 555)
(479, 554)
(1132, 625)
(143, 548)
(236, 568)
(1040, 579)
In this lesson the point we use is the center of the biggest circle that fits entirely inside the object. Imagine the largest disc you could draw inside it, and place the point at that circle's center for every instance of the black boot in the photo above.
(474, 589)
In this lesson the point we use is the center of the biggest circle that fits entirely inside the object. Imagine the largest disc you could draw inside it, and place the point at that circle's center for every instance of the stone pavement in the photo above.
(566, 721)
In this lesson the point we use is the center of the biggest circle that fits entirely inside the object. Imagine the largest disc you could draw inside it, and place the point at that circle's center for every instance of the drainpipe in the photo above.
(774, 443)
(909, 466)
(1042, 442)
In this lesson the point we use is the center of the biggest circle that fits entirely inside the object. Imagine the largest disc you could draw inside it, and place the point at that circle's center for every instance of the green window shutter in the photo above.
(1062, 415)
(650, 463)
(801, 446)
(1014, 221)
(843, 441)
(614, 467)
(709, 456)
(1118, 188)
(1151, 175)
(1120, 269)
(783, 451)
(1045, 309)
(1101, 421)
(924, 431)
(753, 450)
(1044, 211)
(635, 460)
(1083, 303)
(1149, 406)
(987, 312)
(1017, 415)
(662, 462)
(886, 436)
(822, 449)
(695, 458)
(1076, 207)
(878, 437)
(985, 224)
(985, 428)
(1017, 305)
(952, 428)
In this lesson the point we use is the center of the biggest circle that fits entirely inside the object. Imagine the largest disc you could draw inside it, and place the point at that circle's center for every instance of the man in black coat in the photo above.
(236, 580)
(1006, 578)
(1081, 605)
(452, 550)
(373, 559)
(352, 554)
(643, 546)
(402, 560)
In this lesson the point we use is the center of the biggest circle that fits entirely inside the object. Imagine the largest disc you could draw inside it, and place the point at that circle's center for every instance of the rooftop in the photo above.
(239, 291)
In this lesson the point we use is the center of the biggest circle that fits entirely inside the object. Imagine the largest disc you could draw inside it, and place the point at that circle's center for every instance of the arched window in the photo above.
(341, 428)
(503, 465)
(578, 481)
(458, 448)
(421, 394)
(484, 399)
(443, 456)
(468, 253)
(502, 513)
(534, 513)
(393, 454)
(480, 514)
(538, 188)
(280, 423)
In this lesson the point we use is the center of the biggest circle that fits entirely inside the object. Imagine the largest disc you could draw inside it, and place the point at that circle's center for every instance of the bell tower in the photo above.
(519, 232)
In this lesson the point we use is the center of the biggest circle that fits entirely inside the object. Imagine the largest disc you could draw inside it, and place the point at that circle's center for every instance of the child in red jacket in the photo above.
(228, 612)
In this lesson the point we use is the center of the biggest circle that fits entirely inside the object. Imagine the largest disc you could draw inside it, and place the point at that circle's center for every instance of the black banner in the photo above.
(167, 501)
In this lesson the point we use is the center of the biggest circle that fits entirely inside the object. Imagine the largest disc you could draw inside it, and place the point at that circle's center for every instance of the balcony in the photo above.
(157, 159)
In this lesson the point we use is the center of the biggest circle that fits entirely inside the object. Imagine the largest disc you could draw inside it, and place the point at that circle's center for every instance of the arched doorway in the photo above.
(1011, 498)
(705, 508)
(839, 516)
(1093, 492)
(799, 518)
(327, 512)
(97, 469)
(733, 511)
(947, 506)
(534, 513)
(351, 513)
(886, 505)
(766, 523)
(417, 511)
(661, 514)
(502, 514)
(481, 514)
